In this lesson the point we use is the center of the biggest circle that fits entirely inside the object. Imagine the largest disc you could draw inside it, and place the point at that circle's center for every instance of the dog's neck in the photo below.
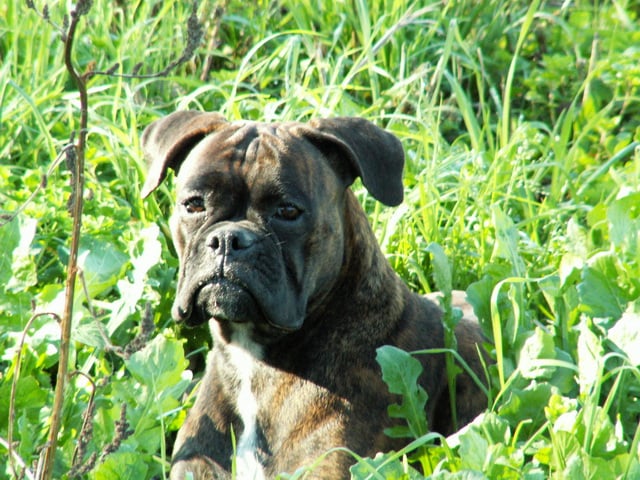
(362, 256)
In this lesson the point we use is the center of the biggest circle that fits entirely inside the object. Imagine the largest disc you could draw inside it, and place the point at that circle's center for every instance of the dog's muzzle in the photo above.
(235, 273)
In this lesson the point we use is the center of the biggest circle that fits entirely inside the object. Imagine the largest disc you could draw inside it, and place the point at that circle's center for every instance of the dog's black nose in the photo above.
(231, 238)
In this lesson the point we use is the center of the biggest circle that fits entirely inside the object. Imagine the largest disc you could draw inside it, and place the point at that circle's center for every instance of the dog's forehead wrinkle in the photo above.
(210, 163)
(241, 134)
(270, 160)
(267, 169)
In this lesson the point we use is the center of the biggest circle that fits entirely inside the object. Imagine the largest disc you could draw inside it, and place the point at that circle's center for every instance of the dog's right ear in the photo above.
(167, 142)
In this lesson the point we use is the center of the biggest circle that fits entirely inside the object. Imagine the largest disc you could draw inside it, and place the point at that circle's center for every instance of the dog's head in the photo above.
(259, 219)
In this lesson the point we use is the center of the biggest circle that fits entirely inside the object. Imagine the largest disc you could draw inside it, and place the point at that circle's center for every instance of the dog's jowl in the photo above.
(277, 255)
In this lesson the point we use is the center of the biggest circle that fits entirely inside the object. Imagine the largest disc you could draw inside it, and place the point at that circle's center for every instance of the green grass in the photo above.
(521, 123)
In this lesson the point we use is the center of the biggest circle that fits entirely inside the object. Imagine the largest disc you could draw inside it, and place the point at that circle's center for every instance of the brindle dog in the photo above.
(278, 256)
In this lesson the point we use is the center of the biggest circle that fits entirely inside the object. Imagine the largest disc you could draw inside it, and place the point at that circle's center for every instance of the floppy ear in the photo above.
(167, 142)
(373, 154)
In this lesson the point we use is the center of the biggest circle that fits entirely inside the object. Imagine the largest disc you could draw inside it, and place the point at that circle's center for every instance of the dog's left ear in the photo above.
(373, 154)
(167, 142)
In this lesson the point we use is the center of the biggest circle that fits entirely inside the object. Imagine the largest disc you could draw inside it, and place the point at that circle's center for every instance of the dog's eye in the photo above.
(194, 205)
(288, 212)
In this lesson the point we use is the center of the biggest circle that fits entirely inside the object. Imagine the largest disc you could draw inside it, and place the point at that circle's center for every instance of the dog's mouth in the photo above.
(219, 299)
(227, 302)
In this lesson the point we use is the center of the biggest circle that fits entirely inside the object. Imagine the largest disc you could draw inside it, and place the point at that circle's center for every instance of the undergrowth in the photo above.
(520, 122)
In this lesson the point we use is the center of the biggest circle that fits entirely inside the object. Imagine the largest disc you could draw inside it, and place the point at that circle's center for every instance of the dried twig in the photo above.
(82, 7)
(194, 38)
(122, 433)
(214, 40)
(147, 327)
(86, 433)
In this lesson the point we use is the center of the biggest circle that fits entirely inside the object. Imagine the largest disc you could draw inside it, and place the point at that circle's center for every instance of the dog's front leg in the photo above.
(199, 468)
(201, 451)
(203, 446)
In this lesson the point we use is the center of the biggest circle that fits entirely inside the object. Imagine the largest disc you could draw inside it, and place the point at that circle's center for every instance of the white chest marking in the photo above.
(243, 354)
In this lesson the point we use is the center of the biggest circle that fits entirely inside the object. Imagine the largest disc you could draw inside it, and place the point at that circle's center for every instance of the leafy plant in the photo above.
(520, 124)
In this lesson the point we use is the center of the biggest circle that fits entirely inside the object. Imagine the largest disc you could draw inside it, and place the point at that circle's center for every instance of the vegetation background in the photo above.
(521, 124)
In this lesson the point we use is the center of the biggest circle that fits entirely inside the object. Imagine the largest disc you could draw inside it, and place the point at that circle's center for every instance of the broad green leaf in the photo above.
(599, 295)
(505, 462)
(563, 377)
(101, 264)
(577, 241)
(90, 333)
(132, 289)
(441, 268)
(159, 364)
(564, 447)
(22, 269)
(150, 252)
(401, 372)
(461, 475)
(506, 245)
(568, 422)
(494, 428)
(148, 435)
(589, 359)
(533, 471)
(559, 405)
(603, 441)
(9, 240)
(570, 267)
(17, 272)
(626, 464)
(625, 334)
(582, 465)
(526, 405)
(624, 219)
(123, 466)
(29, 395)
(536, 349)
(474, 450)
(479, 296)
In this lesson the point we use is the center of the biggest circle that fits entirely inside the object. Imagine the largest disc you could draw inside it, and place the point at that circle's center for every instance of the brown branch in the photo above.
(82, 7)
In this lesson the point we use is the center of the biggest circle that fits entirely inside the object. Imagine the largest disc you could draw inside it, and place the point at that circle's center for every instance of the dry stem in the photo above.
(72, 267)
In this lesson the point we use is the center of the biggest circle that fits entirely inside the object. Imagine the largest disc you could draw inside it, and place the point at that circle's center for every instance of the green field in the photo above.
(521, 126)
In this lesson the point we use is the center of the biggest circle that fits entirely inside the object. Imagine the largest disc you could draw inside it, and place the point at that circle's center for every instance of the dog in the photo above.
(277, 255)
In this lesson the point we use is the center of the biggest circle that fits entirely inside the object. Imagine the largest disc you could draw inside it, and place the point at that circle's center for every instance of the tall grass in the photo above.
(520, 123)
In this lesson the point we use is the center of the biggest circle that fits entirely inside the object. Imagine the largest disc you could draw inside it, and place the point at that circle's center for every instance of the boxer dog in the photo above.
(277, 255)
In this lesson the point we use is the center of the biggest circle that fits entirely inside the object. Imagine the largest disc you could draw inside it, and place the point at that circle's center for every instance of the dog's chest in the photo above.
(243, 356)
